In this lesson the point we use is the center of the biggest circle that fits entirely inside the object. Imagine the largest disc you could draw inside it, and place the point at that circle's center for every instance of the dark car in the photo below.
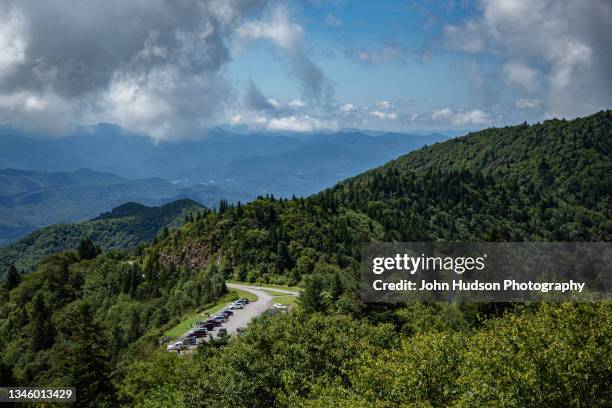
(220, 318)
(208, 325)
(228, 312)
(244, 300)
(197, 333)
(214, 323)
(222, 333)
(190, 341)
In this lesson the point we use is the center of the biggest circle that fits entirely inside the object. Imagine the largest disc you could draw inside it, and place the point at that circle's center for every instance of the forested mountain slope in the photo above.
(524, 183)
(79, 321)
(124, 227)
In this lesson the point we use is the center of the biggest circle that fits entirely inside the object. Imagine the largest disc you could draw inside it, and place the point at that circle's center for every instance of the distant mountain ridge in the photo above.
(123, 227)
(30, 200)
(76, 178)
(106, 148)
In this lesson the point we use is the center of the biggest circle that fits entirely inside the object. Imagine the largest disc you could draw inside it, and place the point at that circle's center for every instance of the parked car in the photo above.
(244, 300)
(190, 341)
(177, 346)
(208, 325)
(220, 318)
(214, 322)
(196, 333)
(228, 313)
(222, 333)
(237, 305)
(280, 306)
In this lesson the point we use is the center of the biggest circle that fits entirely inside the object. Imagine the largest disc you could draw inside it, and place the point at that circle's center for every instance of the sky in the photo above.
(172, 69)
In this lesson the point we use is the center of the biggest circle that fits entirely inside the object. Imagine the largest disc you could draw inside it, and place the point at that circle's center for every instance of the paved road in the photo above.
(242, 317)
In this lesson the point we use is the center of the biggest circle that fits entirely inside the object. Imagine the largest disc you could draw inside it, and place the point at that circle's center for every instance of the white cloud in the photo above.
(12, 41)
(521, 74)
(442, 114)
(297, 103)
(384, 115)
(559, 49)
(384, 104)
(274, 103)
(347, 107)
(277, 28)
(526, 103)
(462, 117)
(61, 65)
(300, 124)
(471, 117)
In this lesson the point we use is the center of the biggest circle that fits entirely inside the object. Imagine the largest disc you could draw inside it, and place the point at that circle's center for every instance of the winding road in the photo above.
(242, 317)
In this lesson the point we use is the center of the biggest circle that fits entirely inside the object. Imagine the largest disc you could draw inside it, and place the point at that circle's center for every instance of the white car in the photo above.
(236, 305)
(178, 346)
(280, 306)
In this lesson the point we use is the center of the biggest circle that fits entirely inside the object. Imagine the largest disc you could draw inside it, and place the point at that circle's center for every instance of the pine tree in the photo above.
(13, 278)
(87, 249)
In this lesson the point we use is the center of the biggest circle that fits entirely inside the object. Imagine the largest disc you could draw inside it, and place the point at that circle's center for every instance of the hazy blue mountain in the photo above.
(106, 148)
(30, 200)
(124, 227)
(319, 162)
(75, 178)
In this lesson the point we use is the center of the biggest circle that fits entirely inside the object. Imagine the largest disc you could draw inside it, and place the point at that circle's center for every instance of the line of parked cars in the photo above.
(203, 328)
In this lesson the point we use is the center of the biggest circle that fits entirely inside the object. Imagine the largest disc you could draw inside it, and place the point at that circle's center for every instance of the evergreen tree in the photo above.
(12, 278)
(87, 249)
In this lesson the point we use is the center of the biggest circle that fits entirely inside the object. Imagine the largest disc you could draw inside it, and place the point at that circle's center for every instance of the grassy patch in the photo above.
(286, 300)
(269, 285)
(190, 320)
(274, 293)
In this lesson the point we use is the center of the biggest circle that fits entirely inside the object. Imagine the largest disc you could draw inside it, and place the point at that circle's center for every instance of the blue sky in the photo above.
(172, 69)
(446, 64)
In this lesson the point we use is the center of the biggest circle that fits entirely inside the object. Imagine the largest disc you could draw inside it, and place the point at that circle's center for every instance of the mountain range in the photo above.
(77, 318)
(47, 181)
(31, 199)
(124, 227)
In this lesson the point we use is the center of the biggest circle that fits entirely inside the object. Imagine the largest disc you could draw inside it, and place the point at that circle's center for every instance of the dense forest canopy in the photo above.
(95, 323)
(125, 227)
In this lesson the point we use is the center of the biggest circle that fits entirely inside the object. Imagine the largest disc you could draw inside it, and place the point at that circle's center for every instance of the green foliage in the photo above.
(546, 182)
(12, 278)
(74, 321)
(125, 227)
(87, 249)
(546, 356)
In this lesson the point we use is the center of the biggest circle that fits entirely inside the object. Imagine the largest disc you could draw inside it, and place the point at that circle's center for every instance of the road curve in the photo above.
(242, 317)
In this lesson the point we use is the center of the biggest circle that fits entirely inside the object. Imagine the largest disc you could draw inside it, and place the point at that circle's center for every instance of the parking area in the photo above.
(232, 318)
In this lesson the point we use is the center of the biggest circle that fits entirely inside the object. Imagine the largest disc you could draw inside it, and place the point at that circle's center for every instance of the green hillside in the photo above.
(124, 227)
(96, 323)
(547, 182)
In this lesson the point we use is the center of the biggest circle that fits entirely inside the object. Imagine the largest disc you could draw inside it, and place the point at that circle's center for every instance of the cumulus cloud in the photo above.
(277, 27)
(521, 74)
(297, 103)
(347, 107)
(300, 124)
(461, 117)
(384, 104)
(150, 66)
(560, 49)
(527, 103)
(384, 115)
